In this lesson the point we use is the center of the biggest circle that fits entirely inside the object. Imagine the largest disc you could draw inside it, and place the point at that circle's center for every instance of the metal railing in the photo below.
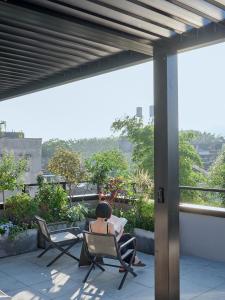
(201, 189)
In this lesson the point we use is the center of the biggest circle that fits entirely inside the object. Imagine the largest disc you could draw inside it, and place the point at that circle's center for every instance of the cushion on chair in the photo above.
(62, 236)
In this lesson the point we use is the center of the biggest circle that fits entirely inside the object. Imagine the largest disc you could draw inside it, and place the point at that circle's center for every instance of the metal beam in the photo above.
(202, 8)
(75, 27)
(104, 65)
(210, 34)
(166, 176)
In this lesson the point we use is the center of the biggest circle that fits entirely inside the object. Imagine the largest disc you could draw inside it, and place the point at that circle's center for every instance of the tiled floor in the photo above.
(25, 277)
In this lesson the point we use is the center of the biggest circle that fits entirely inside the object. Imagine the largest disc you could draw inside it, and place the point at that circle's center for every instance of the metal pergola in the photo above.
(45, 43)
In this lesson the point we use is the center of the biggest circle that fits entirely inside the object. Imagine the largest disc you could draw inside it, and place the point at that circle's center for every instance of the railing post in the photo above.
(166, 176)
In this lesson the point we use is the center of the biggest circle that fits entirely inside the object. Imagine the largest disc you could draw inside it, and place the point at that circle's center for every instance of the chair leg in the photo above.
(122, 281)
(89, 271)
(128, 269)
(43, 252)
(63, 251)
(100, 267)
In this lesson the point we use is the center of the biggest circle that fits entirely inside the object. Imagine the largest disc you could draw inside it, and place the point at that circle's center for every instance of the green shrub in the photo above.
(139, 215)
(91, 213)
(77, 212)
(21, 209)
(145, 214)
(52, 202)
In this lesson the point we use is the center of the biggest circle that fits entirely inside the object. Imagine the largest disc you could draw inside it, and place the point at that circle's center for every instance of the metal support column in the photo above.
(166, 176)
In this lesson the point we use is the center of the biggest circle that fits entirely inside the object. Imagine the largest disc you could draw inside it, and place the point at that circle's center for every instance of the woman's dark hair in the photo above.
(103, 210)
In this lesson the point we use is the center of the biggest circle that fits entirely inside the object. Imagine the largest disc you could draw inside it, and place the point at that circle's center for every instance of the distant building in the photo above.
(209, 151)
(29, 148)
(21, 147)
(151, 114)
(139, 112)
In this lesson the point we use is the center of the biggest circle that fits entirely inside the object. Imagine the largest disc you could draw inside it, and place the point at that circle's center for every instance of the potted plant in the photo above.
(18, 233)
(77, 215)
(52, 203)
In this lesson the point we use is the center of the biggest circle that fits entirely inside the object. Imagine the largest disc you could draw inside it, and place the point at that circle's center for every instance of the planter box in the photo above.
(24, 242)
(145, 240)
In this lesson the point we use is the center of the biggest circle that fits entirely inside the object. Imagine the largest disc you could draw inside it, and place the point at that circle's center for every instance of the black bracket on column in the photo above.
(160, 195)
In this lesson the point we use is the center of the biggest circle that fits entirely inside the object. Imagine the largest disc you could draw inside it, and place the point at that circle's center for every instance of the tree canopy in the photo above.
(68, 164)
(217, 173)
(103, 165)
(142, 137)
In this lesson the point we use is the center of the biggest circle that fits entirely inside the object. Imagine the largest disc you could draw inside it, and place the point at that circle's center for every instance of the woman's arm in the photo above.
(119, 234)
(112, 231)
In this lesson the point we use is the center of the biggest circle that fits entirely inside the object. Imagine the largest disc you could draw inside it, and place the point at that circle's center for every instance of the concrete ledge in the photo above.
(145, 240)
(203, 210)
(24, 242)
(202, 235)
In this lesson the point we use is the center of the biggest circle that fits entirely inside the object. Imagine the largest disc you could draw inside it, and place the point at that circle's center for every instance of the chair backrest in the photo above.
(43, 227)
(101, 244)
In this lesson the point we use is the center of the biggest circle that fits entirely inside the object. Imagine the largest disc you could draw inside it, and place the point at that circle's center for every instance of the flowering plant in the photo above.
(5, 228)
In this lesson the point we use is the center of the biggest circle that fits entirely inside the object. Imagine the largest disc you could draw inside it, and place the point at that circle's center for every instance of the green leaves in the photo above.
(11, 172)
(52, 202)
(142, 138)
(68, 164)
(103, 165)
(21, 209)
(217, 173)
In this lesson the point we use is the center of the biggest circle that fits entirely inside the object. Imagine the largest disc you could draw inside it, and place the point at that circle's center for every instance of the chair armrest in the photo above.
(56, 223)
(132, 240)
(65, 229)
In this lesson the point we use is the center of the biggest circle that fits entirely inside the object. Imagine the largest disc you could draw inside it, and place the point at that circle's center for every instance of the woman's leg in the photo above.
(124, 238)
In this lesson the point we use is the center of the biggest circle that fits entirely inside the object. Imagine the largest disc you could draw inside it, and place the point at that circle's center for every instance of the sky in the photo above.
(88, 107)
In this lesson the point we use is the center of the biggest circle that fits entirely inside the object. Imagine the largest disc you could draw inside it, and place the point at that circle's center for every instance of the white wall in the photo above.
(202, 236)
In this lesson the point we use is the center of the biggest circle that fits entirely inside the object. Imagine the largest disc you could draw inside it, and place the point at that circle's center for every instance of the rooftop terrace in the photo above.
(25, 277)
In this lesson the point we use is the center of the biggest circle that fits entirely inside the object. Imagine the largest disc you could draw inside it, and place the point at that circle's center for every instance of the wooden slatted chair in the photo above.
(99, 246)
(58, 239)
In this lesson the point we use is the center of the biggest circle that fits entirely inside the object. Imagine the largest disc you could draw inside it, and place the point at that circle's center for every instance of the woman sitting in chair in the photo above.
(101, 225)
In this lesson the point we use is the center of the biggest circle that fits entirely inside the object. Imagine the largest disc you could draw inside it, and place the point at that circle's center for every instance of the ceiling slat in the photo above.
(202, 8)
(219, 3)
(23, 41)
(15, 77)
(14, 72)
(118, 16)
(62, 9)
(28, 57)
(150, 15)
(24, 61)
(183, 14)
(46, 42)
(19, 69)
(55, 37)
(84, 30)
(21, 65)
(33, 51)
(5, 81)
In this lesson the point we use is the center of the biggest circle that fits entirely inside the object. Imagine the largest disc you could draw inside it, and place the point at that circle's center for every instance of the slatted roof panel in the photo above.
(45, 43)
